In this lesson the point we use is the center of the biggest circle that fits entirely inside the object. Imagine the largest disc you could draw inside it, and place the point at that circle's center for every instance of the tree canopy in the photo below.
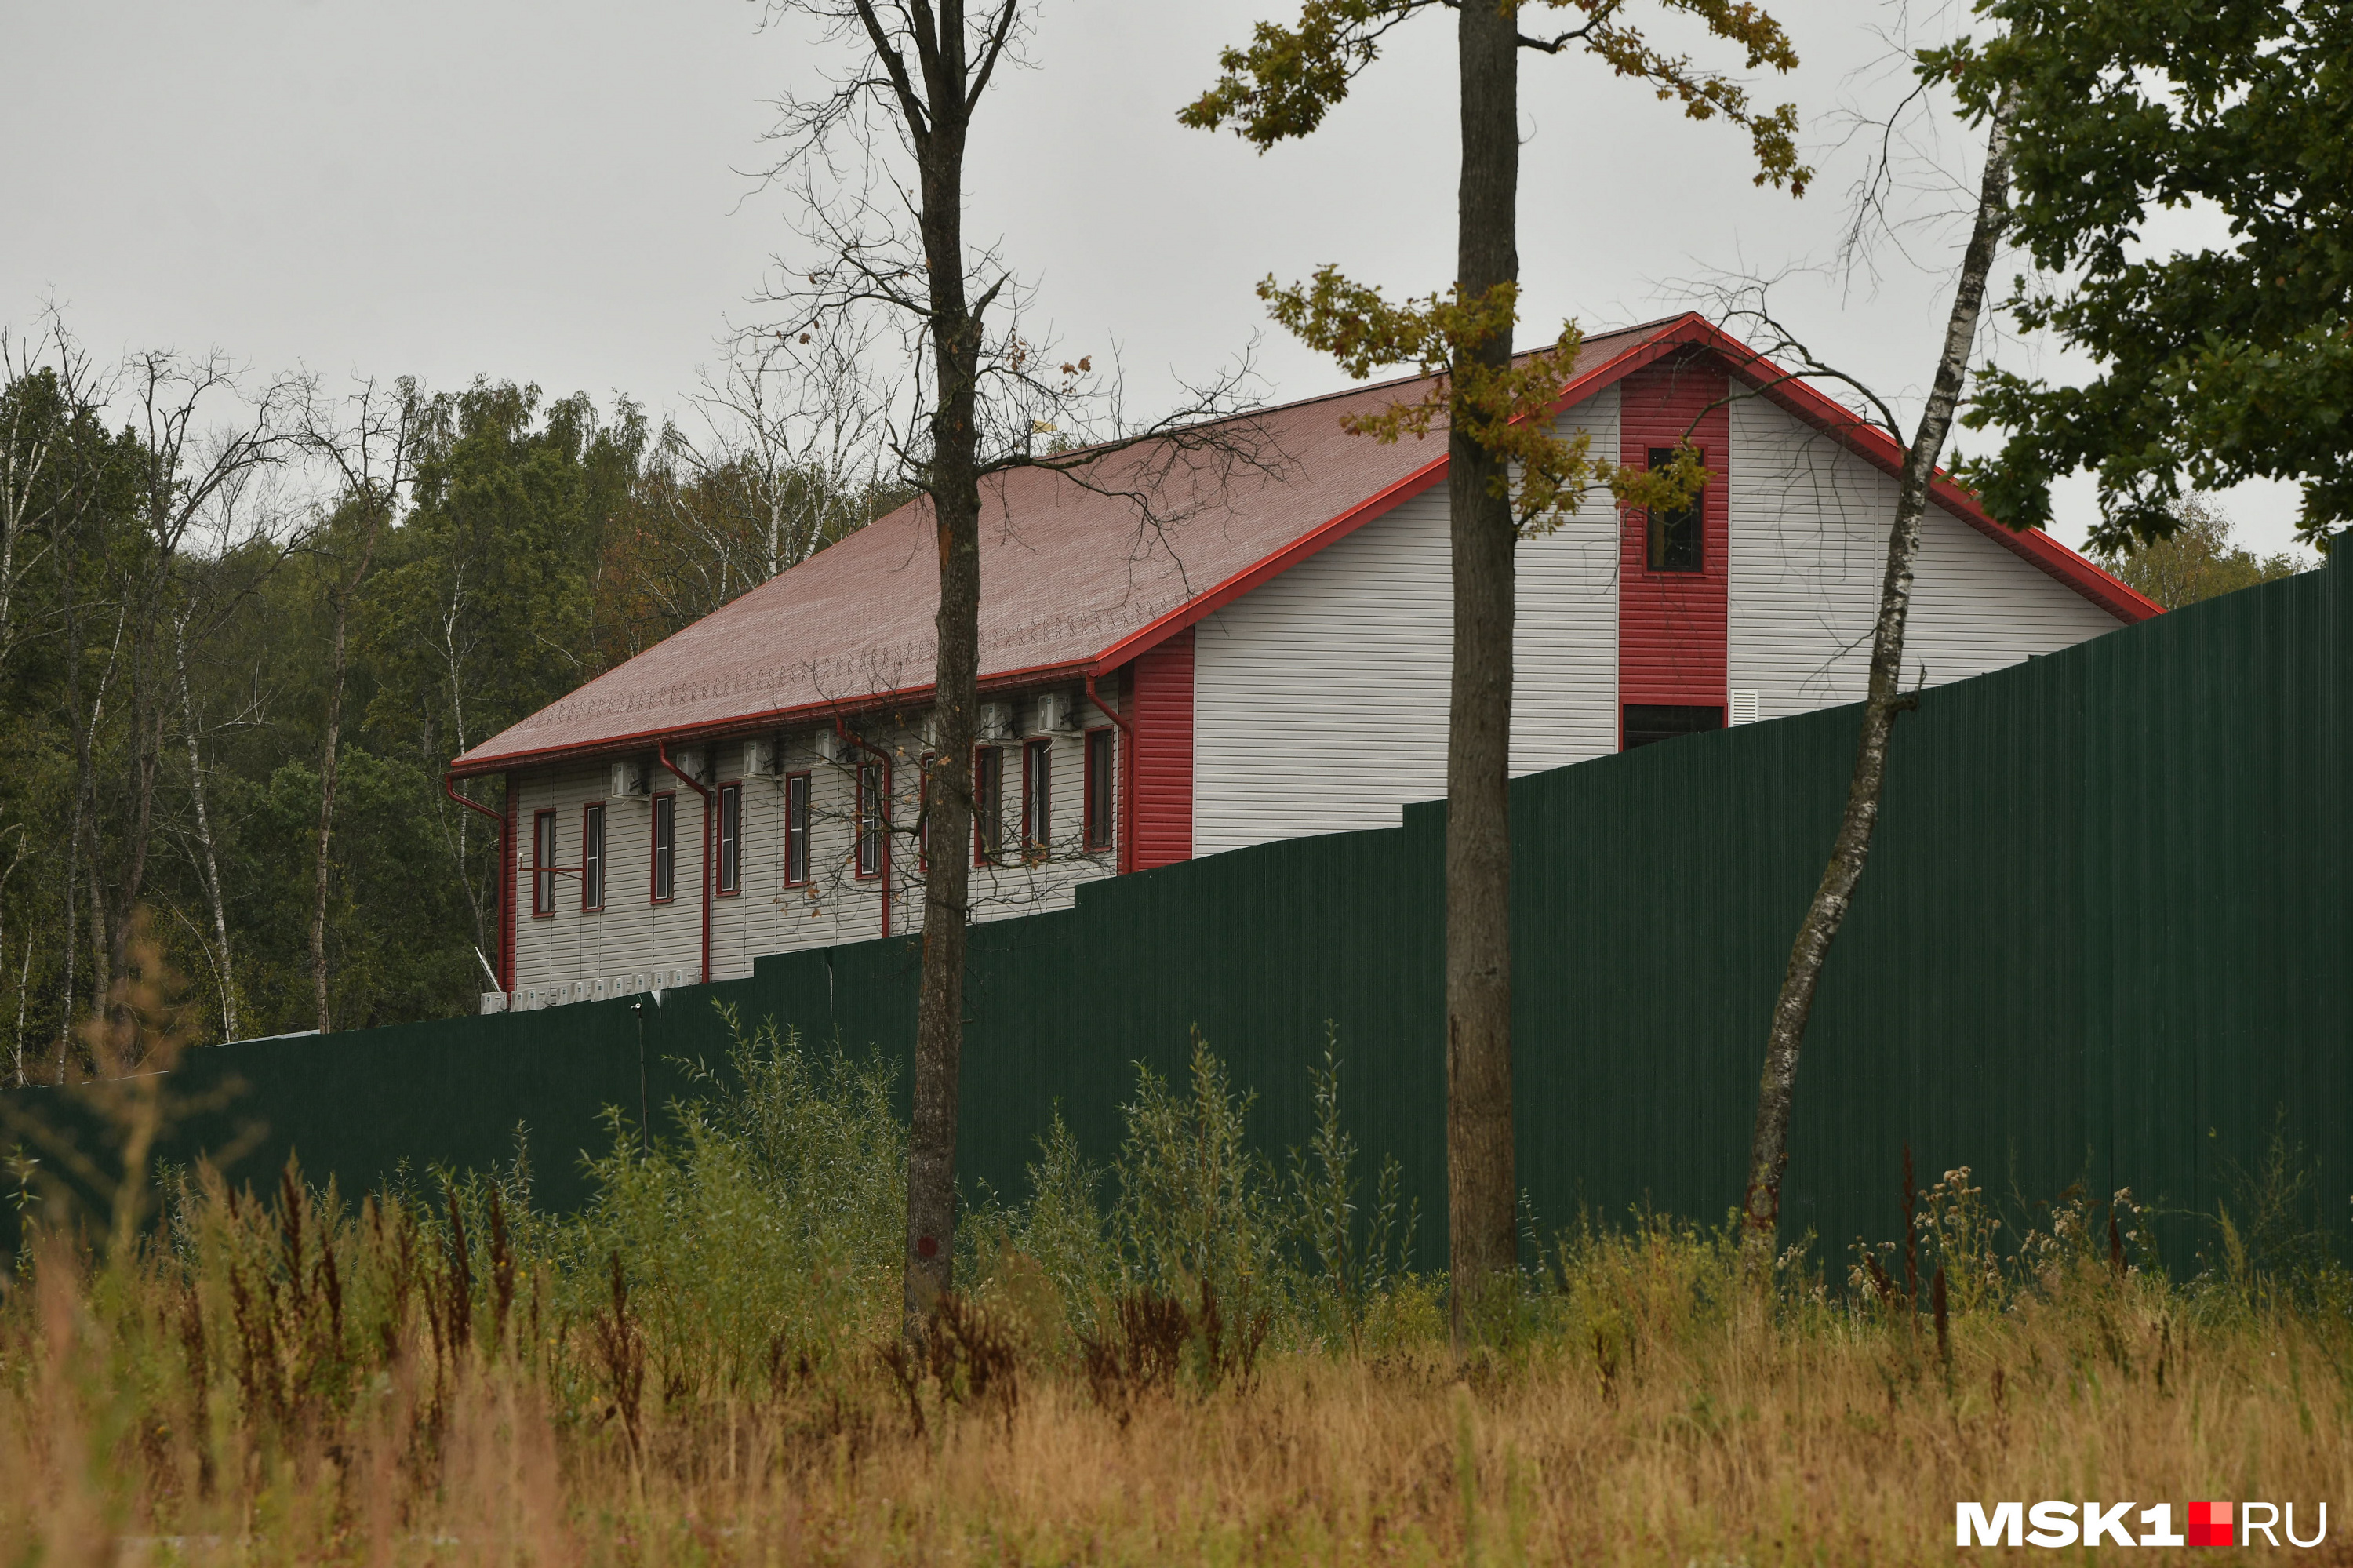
(2198, 559)
(2216, 363)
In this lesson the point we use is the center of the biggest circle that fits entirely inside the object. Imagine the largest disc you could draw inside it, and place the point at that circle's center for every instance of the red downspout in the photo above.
(882, 808)
(661, 751)
(1126, 854)
(506, 875)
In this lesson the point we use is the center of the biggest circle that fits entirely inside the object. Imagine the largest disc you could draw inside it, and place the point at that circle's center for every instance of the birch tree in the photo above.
(372, 449)
(1833, 896)
(193, 468)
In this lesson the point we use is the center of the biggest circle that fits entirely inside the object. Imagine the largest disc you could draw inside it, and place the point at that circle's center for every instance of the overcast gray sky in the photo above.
(559, 193)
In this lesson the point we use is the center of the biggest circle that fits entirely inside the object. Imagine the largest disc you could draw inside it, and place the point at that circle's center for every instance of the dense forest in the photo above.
(241, 620)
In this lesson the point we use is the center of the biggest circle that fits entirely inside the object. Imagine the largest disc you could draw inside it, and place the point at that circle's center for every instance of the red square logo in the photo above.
(2210, 1524)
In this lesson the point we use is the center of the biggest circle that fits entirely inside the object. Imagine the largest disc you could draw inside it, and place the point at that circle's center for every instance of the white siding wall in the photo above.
(1565, 639)
(1809, 544)
(634, 943)
(1319, 699)
(1977, 607)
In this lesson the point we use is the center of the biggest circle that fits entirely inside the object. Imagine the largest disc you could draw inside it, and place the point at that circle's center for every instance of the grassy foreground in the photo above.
(1188, 1356)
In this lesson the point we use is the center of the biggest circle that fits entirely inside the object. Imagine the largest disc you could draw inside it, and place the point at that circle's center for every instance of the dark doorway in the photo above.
(1646, 722)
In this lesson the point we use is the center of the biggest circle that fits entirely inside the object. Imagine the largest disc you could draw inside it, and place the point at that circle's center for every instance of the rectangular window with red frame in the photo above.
(1037, 798)
(987, 805)
(1678, 541)
(592, 859)
(797, 830)
(542, 864)
(665, 856)
(1102, 765)
(731, 840)
(873, 846)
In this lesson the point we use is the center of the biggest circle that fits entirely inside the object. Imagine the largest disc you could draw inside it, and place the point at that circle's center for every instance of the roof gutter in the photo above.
(775, 718)
(661, 750)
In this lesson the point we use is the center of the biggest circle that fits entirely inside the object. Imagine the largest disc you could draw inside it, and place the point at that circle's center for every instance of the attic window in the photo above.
(1646, 722)
(1677, 536)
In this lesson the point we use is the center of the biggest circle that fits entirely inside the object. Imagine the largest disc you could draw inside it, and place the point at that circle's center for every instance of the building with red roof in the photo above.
(1260, 652)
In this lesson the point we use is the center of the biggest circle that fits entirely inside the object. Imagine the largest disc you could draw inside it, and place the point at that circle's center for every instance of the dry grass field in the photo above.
(1203, 1367)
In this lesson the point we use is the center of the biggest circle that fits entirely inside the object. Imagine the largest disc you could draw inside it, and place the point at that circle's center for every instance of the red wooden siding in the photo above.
(1163, 695)
(1671, 625)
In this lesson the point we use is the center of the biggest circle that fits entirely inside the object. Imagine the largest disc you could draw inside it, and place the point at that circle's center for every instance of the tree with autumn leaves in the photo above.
(1510, 474)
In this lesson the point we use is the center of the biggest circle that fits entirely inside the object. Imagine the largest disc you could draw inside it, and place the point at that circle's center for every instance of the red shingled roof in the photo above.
(1075, 581)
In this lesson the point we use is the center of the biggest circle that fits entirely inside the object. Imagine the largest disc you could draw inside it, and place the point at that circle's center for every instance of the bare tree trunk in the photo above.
(24, 984)
(146, 731)
(328, 758)
(1481, 1203)
(13, 862)
(955, 485)
(205, 831)
(475, 900)
(83, 844)
(372, 477)
(101, 973)
(69, 581)
(1769, 1148)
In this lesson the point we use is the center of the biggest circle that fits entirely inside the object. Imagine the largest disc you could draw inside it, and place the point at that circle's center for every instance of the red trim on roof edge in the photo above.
(1689, 330)
(1233, 587)
(1875, 447)
(755, 723)
(1799, 397)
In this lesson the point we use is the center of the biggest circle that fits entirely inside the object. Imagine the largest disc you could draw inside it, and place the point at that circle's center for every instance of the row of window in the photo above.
(1038, 798)
(872, 843)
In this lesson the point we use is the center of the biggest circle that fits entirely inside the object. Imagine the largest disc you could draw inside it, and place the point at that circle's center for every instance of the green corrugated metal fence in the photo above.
(2104, 934)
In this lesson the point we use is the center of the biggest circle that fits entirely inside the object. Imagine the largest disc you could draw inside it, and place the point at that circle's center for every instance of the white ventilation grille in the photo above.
(1744, 707)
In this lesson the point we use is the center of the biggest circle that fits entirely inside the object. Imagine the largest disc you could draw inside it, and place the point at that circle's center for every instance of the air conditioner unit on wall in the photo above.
(828, 745)
(1056, 713)
(629, 780)
(762, 757)
(997, 721)
(692, 761)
